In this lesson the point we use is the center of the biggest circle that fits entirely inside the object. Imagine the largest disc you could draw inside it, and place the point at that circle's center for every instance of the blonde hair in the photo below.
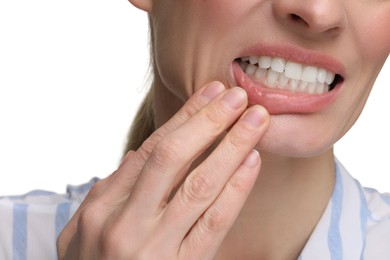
(143, 123)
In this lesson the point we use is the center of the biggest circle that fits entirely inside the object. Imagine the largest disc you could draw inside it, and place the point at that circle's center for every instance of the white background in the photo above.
(72, 74)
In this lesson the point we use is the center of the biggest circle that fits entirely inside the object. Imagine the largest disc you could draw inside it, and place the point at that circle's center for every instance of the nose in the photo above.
(311, 17)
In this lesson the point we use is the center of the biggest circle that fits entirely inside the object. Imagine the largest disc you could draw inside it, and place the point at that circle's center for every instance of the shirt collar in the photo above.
(341, 231)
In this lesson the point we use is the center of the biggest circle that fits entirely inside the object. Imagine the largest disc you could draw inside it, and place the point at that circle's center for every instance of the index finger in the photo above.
(131, 166)
(197, 101)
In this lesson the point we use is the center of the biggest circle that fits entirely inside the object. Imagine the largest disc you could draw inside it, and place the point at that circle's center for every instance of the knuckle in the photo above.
(61, 242)
(112, 243)
(238, 185)
(214, 221)
(216, 119)
(148, 145)
(236, 140)
(188, 110)
(88, 220)
(165, 153)
(197, 188)
(96, 188)
(145, 253)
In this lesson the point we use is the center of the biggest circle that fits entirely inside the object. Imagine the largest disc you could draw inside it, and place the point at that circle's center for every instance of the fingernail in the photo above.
(213, 90)
(252, 159)
(255, 116)
(235, 98)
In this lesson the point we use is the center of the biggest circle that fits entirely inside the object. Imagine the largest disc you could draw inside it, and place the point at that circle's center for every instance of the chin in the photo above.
(295, 140)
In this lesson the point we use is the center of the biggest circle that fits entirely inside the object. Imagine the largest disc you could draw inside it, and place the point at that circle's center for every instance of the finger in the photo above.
(71, 227)
(197, 101)
(177, 150)
(116, 188)
(205, 183)
(156, 179)
(207, 235)
(106, 204)
(128, 172)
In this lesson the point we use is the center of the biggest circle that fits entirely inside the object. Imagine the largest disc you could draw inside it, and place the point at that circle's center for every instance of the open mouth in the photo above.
(279, 73)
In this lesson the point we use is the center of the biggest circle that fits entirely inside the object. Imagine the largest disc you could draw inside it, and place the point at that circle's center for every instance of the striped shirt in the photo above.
(31, 223)
(355, 224)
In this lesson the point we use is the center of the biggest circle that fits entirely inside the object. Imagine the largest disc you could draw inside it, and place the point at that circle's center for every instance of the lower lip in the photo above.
(278, 101)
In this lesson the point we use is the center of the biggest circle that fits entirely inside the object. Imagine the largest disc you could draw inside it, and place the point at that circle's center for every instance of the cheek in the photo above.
(225, 13)
(185, 41)
(170, 45)
(372, 31)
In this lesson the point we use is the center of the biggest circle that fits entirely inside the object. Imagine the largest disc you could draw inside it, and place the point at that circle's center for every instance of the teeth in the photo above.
(251, 69)
(260, 73)
(293, 70)
(272, 77)
(245, 58)
(278, 64)
(293, 85)
(265, 62)
(312, 87)
(288, 75)
(321, 88)
(303, 86)
(329, 78)
(253, 59)
(283, 80)
(309, 74)
(321, 76)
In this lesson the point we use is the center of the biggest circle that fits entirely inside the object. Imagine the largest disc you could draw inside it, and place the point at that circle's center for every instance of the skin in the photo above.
(148, 209)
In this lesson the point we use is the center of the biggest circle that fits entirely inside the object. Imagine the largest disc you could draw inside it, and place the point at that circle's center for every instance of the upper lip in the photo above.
(297, 54)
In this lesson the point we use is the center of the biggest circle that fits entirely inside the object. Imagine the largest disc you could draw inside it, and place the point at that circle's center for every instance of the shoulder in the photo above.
(31, 223)
(370, 210)
(378, 224)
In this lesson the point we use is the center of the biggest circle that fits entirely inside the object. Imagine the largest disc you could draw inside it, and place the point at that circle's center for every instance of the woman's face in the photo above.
(306, 43)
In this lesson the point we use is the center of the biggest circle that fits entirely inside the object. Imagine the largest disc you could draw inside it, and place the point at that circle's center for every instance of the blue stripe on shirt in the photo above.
(19, 234)
(364, 215)
(334, 237)
(62, 216)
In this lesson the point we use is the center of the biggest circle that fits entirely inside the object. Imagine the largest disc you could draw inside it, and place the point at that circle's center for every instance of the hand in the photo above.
(130, 214)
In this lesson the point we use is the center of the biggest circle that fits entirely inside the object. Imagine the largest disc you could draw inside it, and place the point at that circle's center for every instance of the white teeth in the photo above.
(302, 87)
(260, 73)
(293, 85)
(265, 62)
(293, 70)
(329, 77)
(321, 76)
(311, 88)
(253, 59)
(251, 69)
(309, 74)
(288, 75)
(272, 77)
(283, 80)
(278, 64)
(320, 88)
